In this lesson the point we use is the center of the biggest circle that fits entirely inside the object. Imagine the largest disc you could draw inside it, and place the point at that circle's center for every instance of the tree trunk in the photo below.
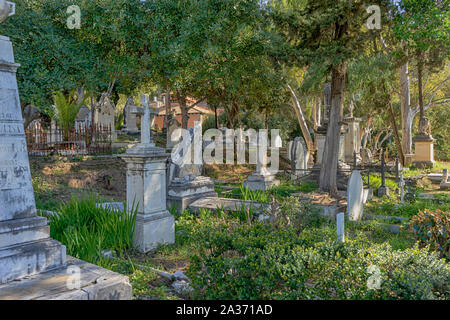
(216, 118)
(406, 110)
(328, 170)
(184, 110)
(301, 119)
(401, 156)
(167, 106)
(420, 78)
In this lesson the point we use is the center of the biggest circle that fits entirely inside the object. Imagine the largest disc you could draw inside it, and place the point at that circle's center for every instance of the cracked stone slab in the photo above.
(96, 283)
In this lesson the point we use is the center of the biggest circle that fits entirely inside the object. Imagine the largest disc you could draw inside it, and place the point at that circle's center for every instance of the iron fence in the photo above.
(51, 140)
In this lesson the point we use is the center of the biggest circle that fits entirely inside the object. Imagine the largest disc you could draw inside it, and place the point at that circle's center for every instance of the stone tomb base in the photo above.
(96, 283)
(227, 205)
(183, 192)
(424, 152)
(154, 230)
(261, 181)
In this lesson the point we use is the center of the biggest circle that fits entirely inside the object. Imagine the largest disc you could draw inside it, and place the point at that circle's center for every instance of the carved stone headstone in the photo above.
(104, 116)
(130, 120)
(25, 244)
(355, 196)
(299, 157)
(173, 134)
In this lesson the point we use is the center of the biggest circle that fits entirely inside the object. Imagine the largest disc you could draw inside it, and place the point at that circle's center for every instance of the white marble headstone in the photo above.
(355, 196)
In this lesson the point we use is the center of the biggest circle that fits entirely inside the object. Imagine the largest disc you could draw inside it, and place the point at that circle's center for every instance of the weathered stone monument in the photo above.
(146, 189)
(173, 134)
(104, 116)
(186, 184)
(263, 178)
(130, 116)
(355, 196)
(25, 244)
(32, 265)
(83, 119)
(352, 140)
(299, 158)
(424, 145)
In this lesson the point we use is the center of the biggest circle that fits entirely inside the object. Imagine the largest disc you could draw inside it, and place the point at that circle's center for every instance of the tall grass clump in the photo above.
(86, 230)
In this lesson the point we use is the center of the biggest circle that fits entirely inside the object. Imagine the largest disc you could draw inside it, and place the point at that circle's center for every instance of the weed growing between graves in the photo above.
(285, 189)
(375, 182)
(87, 230)
(408, 210)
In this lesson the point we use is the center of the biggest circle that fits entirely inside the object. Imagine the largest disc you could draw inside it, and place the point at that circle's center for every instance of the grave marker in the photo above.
(355, 196)
(340, 226)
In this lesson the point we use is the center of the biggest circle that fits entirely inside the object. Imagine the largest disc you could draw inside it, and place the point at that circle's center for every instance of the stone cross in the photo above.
(396, 169)
(401, 184)
(146, 134)
(340, 226)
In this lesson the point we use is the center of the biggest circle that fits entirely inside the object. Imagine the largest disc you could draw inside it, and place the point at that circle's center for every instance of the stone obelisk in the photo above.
(25, 244)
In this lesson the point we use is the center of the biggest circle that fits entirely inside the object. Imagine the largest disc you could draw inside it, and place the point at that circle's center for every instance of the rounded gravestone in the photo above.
(355, 196)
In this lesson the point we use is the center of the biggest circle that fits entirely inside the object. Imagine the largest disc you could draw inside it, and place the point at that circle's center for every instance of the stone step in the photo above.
(95, 283)
(14, 232)
(31, 258)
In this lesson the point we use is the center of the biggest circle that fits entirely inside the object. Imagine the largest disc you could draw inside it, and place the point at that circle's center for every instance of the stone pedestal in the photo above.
(352, 141)
(25, 244)
(183, 192)
(424, 151)
(321, 147)
(261, 181)
(146, 191)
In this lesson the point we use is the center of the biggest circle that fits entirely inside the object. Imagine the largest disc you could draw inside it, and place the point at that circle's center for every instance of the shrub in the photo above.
(86, 230)
(433, 229)
(260, 262)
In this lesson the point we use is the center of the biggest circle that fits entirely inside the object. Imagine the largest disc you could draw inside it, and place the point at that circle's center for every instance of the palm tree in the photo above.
(67, 110)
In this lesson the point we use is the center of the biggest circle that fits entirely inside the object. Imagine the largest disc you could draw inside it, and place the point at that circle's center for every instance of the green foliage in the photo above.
(433, 229)
(86, 230)
(256, 262)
